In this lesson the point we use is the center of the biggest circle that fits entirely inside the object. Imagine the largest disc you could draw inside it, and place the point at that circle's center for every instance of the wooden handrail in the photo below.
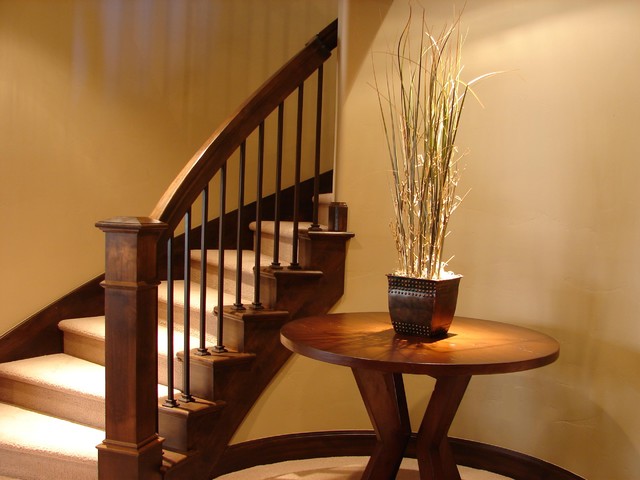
(206, 162)
(132, 448)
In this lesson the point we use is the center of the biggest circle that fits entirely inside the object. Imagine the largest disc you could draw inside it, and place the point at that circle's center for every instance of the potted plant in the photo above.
(421, 102)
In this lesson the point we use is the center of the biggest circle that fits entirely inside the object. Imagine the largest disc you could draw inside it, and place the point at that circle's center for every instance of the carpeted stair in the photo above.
(36, 446)
(52, 407)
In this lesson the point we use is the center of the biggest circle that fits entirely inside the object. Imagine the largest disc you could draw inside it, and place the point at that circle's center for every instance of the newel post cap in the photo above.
(130, 224)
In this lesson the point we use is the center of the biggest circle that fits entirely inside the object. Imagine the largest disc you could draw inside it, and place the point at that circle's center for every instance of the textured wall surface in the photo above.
(102, 103)
(547, 237)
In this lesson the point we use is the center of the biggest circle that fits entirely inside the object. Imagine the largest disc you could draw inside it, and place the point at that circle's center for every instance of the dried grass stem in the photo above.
(421, 101)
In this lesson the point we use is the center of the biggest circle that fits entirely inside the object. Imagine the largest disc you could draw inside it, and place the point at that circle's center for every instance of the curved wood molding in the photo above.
(196, 174)
(360, 443)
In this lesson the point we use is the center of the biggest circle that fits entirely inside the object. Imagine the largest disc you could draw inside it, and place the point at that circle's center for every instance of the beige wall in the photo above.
(102, 103)
(547, 237)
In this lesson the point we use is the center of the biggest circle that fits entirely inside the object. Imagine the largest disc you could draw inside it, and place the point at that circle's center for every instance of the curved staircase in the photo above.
(110, 365)
(52, 407)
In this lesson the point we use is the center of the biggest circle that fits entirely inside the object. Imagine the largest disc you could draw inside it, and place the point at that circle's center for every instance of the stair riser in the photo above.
(178, 319)
(87, 411)
(229, 279)
(86, 348)
(92, 350)
(19, 464)
(286, 248)
(323, 209)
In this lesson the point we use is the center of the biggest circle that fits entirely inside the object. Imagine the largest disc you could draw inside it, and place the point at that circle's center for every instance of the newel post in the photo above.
(132, 449)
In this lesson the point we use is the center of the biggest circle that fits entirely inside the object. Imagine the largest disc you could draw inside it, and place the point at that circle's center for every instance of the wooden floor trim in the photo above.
(301, 446)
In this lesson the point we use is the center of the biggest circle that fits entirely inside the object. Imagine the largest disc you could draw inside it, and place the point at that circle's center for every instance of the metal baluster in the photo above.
(296, 188)
(202, 349)
(276, 229)
(219, 347)
(241, 171)
(170, 401)
(315, 226)
(257, 305)
(186, 392)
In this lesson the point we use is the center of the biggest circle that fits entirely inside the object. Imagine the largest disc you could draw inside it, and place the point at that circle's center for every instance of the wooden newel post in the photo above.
(132, 449)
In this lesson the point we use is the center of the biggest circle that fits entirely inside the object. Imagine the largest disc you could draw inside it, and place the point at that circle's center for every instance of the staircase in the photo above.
(114, 368)
(52, 406)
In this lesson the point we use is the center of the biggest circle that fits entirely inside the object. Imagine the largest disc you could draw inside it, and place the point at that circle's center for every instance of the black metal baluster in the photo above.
(241, 172)
(257, 305)
(276, 224)
(219, 347)
(186, 391)
(296, 188)
(170, 401)
(315, 226)
(202, 349)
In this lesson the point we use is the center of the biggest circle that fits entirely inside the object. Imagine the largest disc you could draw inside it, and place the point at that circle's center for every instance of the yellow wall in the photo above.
(547, 237)
(101, 105)
(103, 102)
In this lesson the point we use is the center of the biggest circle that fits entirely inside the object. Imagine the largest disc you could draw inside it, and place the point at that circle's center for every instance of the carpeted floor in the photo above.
(342, 468)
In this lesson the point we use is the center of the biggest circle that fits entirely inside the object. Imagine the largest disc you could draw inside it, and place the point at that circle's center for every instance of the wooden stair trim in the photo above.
(301, 446)
(39, 333)
(131, 282)
(196, 174)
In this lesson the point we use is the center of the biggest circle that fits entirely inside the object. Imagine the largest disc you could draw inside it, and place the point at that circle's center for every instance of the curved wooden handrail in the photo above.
(206, 162)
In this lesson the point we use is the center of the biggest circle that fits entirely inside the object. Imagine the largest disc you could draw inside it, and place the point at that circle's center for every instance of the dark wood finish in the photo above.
(187, 186)
(230, 240)
(472, 347)
(300, 446)
(434, 454)
(321, 280)
(384, 398)
(39, 334)
(239, 379)
(132, 448)
(184, 426)
(367, 343)
(240, 386)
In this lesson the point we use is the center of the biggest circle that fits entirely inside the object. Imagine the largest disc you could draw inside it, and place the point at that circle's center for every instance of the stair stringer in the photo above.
(239, 379)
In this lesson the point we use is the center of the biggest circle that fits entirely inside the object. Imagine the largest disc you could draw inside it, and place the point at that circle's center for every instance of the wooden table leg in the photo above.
(384, 396)
(435, 458)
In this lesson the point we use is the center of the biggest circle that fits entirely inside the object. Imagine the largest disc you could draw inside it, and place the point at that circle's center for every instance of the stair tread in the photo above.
(325, 198)
(93, 327)
(178, 340)
(22, 429)
(194, 298)
(286, 228)
(62, 372)
(248, 258)
(58, 371)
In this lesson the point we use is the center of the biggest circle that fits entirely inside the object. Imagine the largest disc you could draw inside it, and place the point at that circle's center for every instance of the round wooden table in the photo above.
(378, 357)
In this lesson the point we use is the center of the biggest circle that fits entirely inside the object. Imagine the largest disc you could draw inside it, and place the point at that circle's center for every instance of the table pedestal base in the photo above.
(384, 397)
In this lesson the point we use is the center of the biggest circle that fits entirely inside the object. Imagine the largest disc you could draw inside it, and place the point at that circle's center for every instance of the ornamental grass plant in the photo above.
(421, 100)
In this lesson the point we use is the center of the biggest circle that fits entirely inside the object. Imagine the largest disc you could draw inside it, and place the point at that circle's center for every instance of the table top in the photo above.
(367, 340)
